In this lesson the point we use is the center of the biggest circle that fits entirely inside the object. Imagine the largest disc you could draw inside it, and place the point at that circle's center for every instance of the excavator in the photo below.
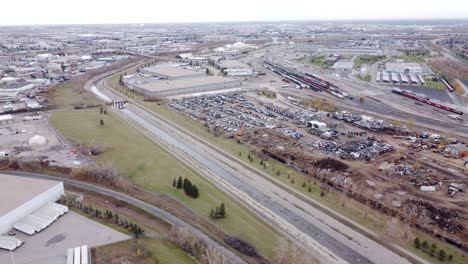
(440, 148)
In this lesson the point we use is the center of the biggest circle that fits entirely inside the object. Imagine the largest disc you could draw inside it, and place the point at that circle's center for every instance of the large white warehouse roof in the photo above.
(20, 197)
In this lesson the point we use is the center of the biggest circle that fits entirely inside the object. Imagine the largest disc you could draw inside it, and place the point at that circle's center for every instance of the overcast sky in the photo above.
(26, 12)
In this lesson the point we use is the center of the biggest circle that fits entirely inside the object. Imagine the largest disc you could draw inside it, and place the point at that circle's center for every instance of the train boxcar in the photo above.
(426, 101)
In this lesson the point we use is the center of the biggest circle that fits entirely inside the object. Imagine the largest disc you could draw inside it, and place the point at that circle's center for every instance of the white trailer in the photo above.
(77, 256)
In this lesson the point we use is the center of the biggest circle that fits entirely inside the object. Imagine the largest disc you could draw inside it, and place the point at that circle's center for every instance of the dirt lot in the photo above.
(15, 136)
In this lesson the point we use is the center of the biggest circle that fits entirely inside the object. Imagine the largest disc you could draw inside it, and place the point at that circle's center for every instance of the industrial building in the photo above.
(404, 67)
(234, 68)
(171, 72)
(351, 51)
(164, 88)
(20, 197)
(344, 65)
(343, 68)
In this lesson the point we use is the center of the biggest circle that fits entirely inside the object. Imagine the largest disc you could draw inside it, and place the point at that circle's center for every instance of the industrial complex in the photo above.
(171, 80)
(256, 142)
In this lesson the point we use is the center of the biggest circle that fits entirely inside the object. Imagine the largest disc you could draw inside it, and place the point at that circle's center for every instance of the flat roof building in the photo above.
(343, 65)
(165, 88)
(171, 72)
(19, 197)
(234, 68)
(403, 67)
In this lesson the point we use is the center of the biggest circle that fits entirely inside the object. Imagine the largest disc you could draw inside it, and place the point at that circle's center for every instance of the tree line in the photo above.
(107, 216)
(218, 212)
(432, 250)
(189, 188)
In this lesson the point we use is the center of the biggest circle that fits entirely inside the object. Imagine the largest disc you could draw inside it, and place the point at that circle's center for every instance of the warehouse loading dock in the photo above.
(20, 197)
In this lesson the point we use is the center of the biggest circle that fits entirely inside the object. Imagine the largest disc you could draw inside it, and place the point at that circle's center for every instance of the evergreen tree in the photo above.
(174, 183)
(188, 188)
(441, 255)
(424, 244)
(417, 243)
(212, 214)
(222, 210)
(102, 122)
(310, 188)
(184, 184)
(179, 183)
(195, 192)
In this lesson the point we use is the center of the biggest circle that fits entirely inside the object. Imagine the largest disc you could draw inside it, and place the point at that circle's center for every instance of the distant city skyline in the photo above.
(28, 12)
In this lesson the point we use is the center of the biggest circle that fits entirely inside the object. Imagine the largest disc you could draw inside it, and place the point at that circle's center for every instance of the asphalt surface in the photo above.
(230, 256)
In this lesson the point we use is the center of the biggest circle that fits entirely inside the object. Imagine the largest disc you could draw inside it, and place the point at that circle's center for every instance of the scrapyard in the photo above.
(353, 153)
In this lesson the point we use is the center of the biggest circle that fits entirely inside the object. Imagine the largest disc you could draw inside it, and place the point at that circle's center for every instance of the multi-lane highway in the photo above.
(298, 218)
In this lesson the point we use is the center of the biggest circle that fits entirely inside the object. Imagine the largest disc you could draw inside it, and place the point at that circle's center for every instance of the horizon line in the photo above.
(246, 21)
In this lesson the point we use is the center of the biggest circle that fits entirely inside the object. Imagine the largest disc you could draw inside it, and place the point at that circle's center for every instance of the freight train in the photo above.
(447, 84)
(306, 80)
(426, 101)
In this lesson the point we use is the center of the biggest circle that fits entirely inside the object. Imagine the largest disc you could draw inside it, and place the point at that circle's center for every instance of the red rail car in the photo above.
(426, 101)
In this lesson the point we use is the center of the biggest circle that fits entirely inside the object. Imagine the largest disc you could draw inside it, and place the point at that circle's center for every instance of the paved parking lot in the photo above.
(50, 246)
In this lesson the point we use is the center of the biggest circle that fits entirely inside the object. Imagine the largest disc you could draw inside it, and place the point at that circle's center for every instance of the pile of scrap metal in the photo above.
(447, 219)
(454, 188)
(355, 149)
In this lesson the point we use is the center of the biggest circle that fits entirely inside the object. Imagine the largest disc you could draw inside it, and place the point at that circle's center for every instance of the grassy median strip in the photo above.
(154, 169)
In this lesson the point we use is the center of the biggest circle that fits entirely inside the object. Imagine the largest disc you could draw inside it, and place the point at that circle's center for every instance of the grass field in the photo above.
(352, 209)
(317, 61)
(154, 169)
(434, 85)
(67, 96)
(160, 251)
(320, 62)
(366, 78)
(413, 58)
(367, 59)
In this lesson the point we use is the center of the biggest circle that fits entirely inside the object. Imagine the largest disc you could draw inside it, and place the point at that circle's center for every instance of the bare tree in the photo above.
(288, 252)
